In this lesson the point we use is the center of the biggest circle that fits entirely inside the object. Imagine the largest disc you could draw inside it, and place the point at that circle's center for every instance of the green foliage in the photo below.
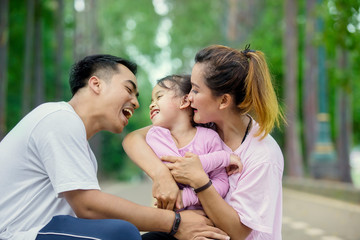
(137, 30)
(342, 33)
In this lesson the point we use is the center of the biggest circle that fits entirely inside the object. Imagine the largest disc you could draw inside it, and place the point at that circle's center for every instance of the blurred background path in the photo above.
(306, 216)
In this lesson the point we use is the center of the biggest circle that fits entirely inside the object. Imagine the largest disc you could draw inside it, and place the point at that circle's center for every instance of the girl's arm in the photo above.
(221, 159)
(188, 170)
(165, 189)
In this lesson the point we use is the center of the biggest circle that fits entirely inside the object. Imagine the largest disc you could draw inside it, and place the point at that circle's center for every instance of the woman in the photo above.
(227, 86)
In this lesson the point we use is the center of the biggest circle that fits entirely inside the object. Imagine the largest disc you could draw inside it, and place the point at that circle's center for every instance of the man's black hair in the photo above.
(96, 64)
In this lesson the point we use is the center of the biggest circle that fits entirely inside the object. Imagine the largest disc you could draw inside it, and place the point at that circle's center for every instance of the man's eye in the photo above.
(158, 97)
(129, 90)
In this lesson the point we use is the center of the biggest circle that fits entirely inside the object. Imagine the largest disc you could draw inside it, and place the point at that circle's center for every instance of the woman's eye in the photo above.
(194, 91)
(129, 90)
(158, 97)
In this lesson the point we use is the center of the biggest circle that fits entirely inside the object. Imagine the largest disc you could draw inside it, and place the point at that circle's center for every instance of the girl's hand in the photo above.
(179, 203)
(235, 165)
(187, 170)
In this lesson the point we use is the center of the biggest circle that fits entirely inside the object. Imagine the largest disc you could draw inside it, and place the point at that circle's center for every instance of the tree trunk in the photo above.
(310, 81)
(39, 64)
(59, 49)
(28, 57)
(232, 20)
(4, 31)
(292, 151)
(344, 122)
(93, 48)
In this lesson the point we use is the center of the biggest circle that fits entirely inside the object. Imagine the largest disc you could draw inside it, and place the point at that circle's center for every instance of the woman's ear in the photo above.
(225, 101)
(185, 102)
(94, 84)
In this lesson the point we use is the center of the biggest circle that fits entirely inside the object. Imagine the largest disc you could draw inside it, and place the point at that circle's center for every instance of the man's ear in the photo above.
(225, 101)
(185, 102)
(94, 84)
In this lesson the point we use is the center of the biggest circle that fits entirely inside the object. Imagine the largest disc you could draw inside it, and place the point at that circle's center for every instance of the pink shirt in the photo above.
(256, 194)
(207, 144)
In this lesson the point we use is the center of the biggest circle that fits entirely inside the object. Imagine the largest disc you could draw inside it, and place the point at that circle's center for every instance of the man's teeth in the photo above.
(128, 113)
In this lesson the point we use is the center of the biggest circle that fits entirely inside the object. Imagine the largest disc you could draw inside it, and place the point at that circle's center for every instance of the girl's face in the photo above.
(164, 106)
(203, 102)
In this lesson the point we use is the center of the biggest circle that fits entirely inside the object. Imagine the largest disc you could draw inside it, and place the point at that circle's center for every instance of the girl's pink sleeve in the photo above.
(215, 160)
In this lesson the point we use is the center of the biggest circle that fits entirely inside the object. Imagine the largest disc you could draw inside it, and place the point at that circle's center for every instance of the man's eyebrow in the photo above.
(134, 87)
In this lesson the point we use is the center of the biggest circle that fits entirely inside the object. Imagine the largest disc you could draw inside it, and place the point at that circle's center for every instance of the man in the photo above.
(48, 183)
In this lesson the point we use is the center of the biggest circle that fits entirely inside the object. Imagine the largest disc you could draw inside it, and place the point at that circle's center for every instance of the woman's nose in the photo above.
(190, 96)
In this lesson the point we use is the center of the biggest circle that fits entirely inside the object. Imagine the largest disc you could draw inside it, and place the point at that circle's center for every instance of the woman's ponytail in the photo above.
(260, 97)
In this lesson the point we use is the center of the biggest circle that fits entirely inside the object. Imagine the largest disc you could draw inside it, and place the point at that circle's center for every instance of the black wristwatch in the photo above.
(176, 224)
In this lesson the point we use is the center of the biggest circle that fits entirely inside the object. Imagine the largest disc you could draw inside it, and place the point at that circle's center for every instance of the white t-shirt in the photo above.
(45, 154)
(256, 193)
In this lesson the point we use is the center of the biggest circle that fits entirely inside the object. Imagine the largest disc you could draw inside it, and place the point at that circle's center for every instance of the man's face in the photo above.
(119, 100)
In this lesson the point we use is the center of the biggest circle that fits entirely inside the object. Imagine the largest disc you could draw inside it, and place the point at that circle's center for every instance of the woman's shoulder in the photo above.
(262, 150)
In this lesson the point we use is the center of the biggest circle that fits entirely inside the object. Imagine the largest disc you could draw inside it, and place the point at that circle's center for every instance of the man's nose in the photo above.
(135, 103)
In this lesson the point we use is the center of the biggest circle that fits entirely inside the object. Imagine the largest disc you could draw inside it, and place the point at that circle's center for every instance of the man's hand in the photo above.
(194, 225)
(165, 190)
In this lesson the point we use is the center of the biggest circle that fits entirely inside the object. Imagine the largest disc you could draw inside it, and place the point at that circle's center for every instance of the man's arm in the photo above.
(165, 189)
(94, 204)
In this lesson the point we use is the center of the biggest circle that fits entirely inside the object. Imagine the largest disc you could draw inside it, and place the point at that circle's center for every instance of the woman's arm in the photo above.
(165, 189)
(220, 182)
(188, 170)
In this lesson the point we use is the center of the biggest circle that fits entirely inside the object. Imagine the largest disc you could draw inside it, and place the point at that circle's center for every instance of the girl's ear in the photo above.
(225, 101)
(185, 102)
(95, 84)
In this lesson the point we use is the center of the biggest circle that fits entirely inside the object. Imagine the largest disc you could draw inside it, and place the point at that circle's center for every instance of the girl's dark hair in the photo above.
(101, 64)
(246, 77)
(181, 84)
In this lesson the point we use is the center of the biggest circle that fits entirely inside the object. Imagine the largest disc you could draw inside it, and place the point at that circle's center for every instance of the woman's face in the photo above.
(204, 103)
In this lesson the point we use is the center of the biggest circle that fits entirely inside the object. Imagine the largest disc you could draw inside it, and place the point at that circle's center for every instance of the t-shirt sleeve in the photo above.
(161, 142)
(60, 140)
(256, 195)
(216, 157)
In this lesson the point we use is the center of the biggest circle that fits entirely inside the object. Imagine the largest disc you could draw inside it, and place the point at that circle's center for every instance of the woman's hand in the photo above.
(187, 170)
(165, 190)
(235, 165)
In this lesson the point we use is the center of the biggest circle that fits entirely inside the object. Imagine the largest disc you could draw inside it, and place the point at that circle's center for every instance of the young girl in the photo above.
(173, 133)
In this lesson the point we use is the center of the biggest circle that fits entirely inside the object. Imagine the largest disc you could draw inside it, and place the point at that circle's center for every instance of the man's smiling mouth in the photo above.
(127, 112)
